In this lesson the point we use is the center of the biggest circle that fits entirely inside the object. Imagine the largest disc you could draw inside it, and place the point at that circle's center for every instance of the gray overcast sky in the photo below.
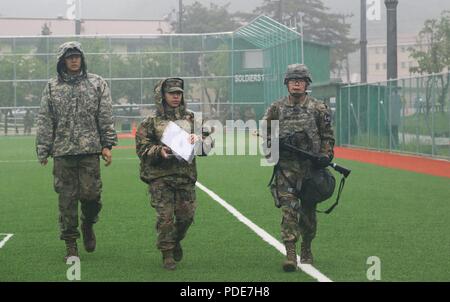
(411, 13)
(140, 9)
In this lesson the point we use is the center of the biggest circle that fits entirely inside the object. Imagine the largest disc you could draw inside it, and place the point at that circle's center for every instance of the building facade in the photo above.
(376, 58)
(64, 27)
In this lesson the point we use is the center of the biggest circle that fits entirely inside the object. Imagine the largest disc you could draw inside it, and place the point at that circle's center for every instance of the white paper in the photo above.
(178, 140)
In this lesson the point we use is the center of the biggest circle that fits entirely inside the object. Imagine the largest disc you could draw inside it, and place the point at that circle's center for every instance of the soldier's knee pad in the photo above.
(184, 221)
(91, 192)
(90, 198)
(185, 210)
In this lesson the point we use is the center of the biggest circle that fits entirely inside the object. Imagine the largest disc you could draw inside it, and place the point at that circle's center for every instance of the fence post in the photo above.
(378, 115)
(348, 115)
(339, 125)
(433, 108)
(368, 114)
(418, 114)
(403, 105)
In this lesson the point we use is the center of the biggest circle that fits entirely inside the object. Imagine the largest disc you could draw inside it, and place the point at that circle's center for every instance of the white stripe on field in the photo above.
(307, 268)
(13, 161)
(18, 161)
(8, 236)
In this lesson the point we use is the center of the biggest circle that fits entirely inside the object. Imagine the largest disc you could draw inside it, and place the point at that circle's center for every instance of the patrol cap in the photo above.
(173, 85)
(71, 52)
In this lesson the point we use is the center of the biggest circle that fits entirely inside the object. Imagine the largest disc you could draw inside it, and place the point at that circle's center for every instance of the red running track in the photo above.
(418, 164)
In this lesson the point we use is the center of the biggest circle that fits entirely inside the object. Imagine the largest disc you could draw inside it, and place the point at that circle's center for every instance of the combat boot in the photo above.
(290, 264)
(71, 248)
(168, 261)
(178, 252)
(306, 255)
(89, 240)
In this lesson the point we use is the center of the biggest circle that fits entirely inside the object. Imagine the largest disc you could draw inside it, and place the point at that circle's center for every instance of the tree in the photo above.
(433, 56)
(25, 67)
(217, 64)
(42, 47)
(319, 25)
(198, 18)
(33, 68)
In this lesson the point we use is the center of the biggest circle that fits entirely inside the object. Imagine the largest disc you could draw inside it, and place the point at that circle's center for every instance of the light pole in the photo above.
(280, 11)
(78, 17)
(391, 49)
(363, 42)
(301, 33)
(180, 16)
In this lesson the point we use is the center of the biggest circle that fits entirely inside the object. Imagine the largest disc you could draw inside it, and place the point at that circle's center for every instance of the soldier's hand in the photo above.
(165, 151)
(44, 162)
(323, 161)
(107, 156)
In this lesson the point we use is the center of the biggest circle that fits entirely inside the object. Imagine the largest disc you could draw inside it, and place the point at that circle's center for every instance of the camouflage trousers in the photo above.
(174, 201)
(77, 178)
(298, 217)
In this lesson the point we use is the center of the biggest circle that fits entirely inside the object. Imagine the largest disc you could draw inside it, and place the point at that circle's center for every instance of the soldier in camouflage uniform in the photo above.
(75, 126)
(310, 122)
(171, 179)
(28, 121)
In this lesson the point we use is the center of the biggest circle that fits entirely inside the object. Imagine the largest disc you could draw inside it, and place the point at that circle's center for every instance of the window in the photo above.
(253, 59)
(384, 65)
(377, 66)
(403, 65)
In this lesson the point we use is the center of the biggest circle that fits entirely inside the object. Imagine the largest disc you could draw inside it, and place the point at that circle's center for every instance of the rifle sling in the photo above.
(330, 209)
(341, 187)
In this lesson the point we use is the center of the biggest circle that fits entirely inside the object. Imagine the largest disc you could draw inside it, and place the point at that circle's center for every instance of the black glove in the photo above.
(322, 161)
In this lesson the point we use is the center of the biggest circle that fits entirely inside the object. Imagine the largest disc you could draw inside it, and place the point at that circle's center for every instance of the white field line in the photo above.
(13, 161)
(8, 236)
(307, 268)
(18, 161)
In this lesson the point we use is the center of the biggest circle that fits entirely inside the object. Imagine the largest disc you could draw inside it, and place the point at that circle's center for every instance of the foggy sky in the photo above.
(411, 13)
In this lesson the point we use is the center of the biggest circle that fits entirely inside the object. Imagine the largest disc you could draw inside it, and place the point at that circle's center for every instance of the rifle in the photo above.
(318, 160)
(321, 161)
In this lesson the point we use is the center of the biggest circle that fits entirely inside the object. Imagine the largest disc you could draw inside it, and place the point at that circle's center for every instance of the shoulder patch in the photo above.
(322, 106)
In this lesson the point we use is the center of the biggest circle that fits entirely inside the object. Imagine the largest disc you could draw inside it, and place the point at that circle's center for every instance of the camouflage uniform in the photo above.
(311, 123)
(171, 181)
(74, 125)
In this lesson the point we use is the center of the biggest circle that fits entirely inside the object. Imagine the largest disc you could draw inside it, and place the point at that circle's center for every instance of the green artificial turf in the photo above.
(400, 217)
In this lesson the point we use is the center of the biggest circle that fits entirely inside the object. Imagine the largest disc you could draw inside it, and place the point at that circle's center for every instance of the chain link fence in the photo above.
(228, 75)
(409, 115)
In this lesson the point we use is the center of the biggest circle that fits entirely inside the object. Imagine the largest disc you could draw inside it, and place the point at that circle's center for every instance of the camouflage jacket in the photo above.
(311, 124)
(149, 145)
(75, 115)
